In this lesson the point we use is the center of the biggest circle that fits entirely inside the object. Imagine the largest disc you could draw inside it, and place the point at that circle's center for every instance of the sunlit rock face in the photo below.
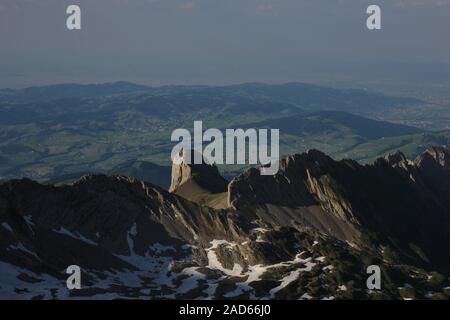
(207, 176)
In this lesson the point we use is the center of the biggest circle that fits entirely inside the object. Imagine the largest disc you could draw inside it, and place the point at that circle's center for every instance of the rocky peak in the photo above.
(303, 180)
(438, 155)
(204, 175)
(395, 159)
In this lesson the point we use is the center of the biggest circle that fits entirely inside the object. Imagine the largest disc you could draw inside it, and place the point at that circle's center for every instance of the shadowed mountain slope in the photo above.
(308, 232)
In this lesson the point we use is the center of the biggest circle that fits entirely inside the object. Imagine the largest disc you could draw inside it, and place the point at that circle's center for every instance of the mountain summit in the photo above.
(201, 183)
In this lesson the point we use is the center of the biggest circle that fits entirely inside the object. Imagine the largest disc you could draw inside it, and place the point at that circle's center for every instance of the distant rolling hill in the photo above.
(320, 122)
(314, 98)
(56, 131)
(70, 90)
(339, 133)
(411, 145)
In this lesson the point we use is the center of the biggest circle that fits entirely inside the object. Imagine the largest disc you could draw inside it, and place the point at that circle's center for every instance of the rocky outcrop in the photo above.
(439, 155)
(428, 174)
(206, 176)
(302, 181)
(106, 208)
(405, 203)
(434, 167)
(200, 183)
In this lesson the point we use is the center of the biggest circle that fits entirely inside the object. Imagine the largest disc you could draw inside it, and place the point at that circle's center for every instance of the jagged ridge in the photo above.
(280, 235)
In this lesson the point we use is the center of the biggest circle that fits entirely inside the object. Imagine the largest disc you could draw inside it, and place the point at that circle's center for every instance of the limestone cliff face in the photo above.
(341, 187)
(302, 180)
(204, 175)
(404, 202)
(438, 155)
(428, 174)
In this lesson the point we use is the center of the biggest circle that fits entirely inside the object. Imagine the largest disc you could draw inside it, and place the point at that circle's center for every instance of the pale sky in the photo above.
(220, 41)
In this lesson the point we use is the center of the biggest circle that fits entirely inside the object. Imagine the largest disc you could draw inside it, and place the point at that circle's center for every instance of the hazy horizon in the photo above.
(162, 42)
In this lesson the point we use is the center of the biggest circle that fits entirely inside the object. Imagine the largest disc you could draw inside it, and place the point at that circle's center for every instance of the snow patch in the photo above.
(321, 259)
(7, 226)
(342, 288)
(66, 232)
(159, 248)
(292, 276)
(21, 247)
(28, 220)
(306, 296)
(329, 267)
(214, 263)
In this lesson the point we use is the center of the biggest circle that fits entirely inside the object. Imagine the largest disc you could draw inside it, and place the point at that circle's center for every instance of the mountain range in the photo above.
(308, 232)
